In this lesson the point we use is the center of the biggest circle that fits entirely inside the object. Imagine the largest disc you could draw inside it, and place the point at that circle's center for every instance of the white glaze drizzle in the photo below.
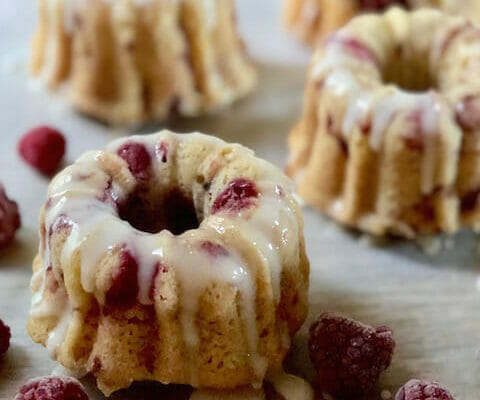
(96, 230)
(58, 334)
(380, 104)
(183, 253)
(60, 370)
(291, 387)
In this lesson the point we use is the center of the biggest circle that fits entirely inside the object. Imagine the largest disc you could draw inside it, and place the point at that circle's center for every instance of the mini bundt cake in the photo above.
(131, 61)
(313, 20)
(170, 258)
(389, 140)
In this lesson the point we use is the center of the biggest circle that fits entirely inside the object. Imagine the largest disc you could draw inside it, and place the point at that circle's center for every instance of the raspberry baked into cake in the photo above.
(170, 258)
(313, 20)
(389, 139)
(131, 61)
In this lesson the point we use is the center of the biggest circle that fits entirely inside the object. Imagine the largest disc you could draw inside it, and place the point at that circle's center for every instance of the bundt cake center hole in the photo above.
(173, 211)
(409, 71)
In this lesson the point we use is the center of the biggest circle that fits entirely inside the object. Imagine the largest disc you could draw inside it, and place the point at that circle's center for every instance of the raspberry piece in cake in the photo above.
(52, 388)
(138, 159)
(42, 148)
(214, 249)
(124, 288)
(467, 112)
(356, 48)
(416, 389)
(378, 5)
(238, 195)
(348, 355)
(4, 338)
(9, 218)
(162, 151)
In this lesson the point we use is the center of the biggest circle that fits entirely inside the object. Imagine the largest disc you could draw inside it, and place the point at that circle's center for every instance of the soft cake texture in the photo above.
(389, 138)
(130, 61)
(170, 258)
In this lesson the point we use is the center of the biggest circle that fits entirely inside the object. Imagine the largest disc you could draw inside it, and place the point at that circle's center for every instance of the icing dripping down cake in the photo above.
(170, 258)
(389, 138)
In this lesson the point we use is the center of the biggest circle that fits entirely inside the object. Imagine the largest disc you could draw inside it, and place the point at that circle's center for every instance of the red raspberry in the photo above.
(124, 289)
(138, 159)
(42, 148)
(4, 338)
(416, 389)
(52, 388)
(236, 196)
(348, 355)
(9, 218)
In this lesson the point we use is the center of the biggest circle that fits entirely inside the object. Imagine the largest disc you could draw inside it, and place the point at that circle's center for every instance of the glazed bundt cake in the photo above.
(131, 61)
(389, 140)
(170, 258)
(313, 20)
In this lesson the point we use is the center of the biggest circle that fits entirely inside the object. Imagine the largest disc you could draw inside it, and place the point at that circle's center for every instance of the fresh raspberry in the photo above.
(42, 148)
(415, 389)
(4, 338)
(138, 159)
(379, 5)
(52, 388)
(237, 196)
(9, 218)
(348, 355)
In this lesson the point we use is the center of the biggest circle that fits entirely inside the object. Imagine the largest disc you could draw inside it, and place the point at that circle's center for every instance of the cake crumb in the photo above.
(386, 394)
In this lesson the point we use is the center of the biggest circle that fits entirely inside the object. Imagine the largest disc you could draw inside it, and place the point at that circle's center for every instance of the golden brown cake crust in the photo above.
(214, 306)
(128, 62)
(389, 127)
